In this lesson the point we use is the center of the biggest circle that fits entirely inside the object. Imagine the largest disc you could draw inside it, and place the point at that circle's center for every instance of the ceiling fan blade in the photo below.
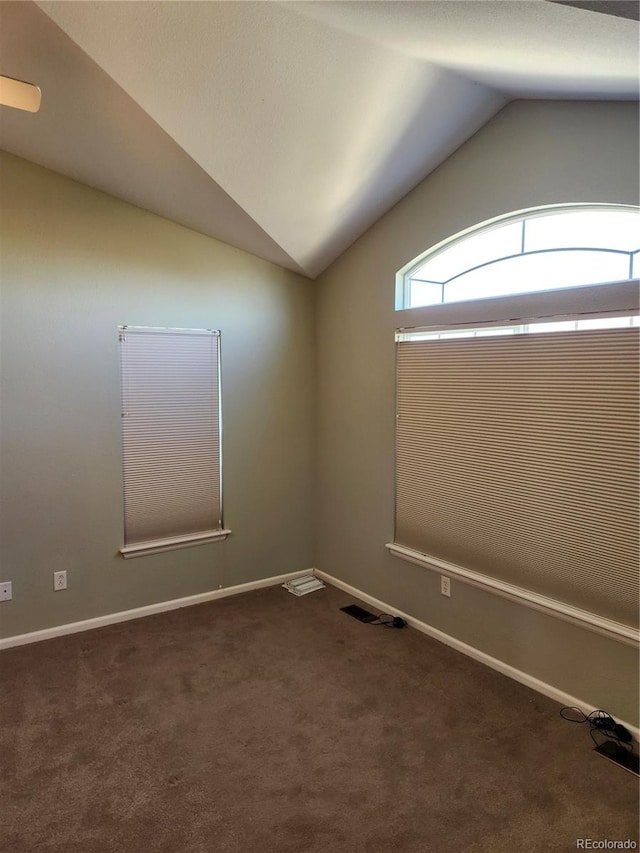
(18, 94)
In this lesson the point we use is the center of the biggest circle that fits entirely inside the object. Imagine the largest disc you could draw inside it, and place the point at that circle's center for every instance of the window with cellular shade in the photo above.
(517, 458)
(170, 435)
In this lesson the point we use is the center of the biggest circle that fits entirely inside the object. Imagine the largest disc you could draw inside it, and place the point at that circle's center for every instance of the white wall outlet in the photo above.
(59, 580)
(6, 592)
(445, 586)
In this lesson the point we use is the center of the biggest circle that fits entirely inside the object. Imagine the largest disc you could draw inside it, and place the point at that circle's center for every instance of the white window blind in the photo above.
(517, 459)
(171, 437)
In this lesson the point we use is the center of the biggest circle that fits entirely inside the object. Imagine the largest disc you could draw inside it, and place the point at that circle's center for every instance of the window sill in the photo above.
(155, 546)
(615, 630)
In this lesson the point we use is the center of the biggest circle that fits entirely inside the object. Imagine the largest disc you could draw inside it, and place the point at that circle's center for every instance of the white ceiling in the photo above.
(287, 129)
(524, 48)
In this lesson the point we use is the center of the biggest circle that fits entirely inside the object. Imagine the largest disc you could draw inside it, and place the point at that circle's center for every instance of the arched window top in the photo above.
(549, 248)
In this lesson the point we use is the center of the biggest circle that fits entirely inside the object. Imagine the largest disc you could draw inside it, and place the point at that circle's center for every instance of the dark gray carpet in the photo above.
(269, 723)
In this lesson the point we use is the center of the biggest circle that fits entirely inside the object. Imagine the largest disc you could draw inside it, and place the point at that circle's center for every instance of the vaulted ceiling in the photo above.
(287, 129)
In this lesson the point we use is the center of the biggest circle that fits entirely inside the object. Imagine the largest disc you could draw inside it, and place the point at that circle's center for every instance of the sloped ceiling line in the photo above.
(287, 129)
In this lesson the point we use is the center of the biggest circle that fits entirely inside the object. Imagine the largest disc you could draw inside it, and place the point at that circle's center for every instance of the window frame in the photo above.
(172, 541)
(565, 611)
(404, 275)
(612, 299)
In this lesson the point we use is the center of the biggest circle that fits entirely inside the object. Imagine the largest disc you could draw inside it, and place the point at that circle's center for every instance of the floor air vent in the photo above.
(303, 585)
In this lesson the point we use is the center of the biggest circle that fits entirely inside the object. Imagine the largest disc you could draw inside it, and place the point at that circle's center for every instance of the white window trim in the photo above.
(591, 621)
(142, 549)
(620, 297)
(530, 325)
(218, 534)
(403, 275)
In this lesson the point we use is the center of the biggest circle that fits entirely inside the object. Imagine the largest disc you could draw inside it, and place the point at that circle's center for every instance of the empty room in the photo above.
(319, 426)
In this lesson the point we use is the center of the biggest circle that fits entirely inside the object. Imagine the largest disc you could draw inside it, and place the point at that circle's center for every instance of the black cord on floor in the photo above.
(601, 722)
(389, 621)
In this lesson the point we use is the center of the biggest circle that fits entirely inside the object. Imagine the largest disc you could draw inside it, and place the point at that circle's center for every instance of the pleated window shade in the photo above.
(517, 458)
(170, 432)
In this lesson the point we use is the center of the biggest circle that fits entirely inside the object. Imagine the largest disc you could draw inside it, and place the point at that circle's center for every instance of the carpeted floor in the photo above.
(269, 723)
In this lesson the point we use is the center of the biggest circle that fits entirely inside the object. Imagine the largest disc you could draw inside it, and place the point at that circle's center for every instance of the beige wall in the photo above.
(532, 153)
(75, 264)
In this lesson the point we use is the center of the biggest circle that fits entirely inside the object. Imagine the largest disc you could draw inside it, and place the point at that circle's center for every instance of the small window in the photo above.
(171, 438)
(550, 249)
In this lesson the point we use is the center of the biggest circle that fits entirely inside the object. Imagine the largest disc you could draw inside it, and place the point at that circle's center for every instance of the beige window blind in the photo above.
(517, 458)
(171, 434)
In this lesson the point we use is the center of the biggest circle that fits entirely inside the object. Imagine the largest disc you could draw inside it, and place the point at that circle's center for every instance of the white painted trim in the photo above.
(591, 621)
(155, 546)
(500, 666)
(201, 598)
(147, 610)
(621, 296)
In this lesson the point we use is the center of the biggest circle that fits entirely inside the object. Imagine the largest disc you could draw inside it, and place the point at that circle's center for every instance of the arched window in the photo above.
(549, 248)
(517, 417)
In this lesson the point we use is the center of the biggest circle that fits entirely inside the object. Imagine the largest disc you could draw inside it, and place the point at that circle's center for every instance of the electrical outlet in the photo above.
(6, 592)
(445, 586)
(59, 581)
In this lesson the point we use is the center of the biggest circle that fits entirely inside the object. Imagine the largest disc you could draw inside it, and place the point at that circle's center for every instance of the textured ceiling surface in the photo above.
(92, 131)
(287, 129)
(619, 8)
(524, 48)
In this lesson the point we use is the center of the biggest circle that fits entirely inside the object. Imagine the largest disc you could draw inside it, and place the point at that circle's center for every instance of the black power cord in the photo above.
(386, 619)
(601, 722)
(389, 621)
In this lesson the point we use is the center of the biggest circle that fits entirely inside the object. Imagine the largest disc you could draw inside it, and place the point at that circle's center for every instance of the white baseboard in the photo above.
(176, 603)
(500, 666)
(147, 610)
